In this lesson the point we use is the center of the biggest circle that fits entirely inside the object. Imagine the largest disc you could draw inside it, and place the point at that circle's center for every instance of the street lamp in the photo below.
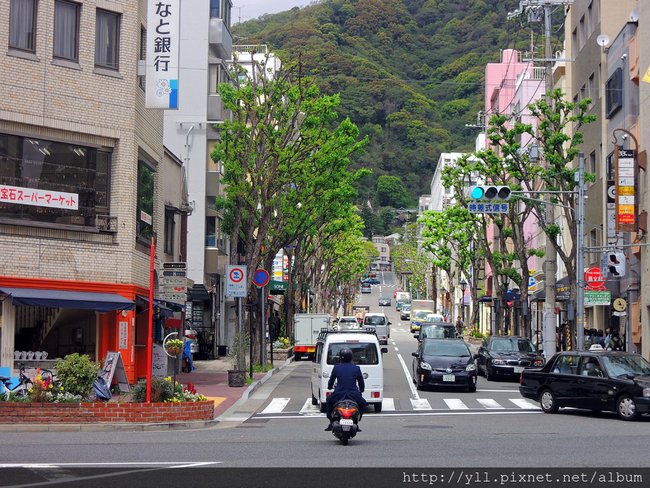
(463, 286)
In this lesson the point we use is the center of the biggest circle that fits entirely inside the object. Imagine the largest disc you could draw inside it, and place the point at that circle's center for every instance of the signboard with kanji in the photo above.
(625, 190)
(163, 26)
(236, 281)
(595, 298)
(492, 208)
(39, 197)
(173, 282)
(594, 279)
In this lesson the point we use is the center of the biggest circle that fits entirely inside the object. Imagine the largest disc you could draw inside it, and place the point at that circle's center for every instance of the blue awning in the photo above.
(85, 300)
(166, 309)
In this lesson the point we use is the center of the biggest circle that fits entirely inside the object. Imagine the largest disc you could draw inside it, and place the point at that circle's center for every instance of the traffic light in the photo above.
(488, 192)
(616, 263)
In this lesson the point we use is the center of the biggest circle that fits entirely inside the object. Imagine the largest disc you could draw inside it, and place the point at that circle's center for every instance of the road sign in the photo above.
(261, 277)
(491, 208)
(236, 281)
(173, 282)
(593, 298)
(594, 279)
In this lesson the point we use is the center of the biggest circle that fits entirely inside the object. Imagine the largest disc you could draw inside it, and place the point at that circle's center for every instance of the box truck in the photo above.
(307, 327)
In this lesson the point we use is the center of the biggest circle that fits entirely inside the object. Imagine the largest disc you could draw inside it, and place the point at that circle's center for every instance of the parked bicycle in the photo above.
(21, 390)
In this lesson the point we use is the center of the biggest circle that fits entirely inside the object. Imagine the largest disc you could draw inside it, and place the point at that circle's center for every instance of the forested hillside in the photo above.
(410, 74)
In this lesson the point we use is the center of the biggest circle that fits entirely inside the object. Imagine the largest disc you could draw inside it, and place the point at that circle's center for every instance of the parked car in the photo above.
(444, 362)
(384, 302)
(595, 380)
(405, 312)
(437, 330)
(507, 356)
(366, 288)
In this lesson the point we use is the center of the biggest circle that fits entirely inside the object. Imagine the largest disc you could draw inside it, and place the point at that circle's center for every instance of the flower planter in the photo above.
(236, 377)
(174, 351)
(282, 354)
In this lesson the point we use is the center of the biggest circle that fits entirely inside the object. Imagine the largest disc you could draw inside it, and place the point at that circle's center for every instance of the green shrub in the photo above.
(76, 373)
(161, 390)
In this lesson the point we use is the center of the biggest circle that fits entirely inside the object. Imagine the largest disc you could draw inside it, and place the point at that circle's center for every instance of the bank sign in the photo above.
(163, 25)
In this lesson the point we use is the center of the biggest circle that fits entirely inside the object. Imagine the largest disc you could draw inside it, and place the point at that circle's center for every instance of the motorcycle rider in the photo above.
(347, 375)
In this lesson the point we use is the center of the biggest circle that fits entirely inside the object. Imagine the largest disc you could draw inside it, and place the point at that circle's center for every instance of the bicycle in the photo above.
(21, 390)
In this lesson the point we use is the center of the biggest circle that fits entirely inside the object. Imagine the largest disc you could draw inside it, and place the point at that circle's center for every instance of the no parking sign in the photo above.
(236, 280)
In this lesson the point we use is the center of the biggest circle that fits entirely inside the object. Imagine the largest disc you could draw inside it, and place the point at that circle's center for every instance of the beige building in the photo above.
(81, 162)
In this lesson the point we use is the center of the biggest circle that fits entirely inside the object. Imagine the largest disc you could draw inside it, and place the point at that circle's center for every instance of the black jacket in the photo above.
(346, 376)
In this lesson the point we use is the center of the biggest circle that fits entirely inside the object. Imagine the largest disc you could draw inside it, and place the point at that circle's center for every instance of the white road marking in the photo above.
(388, 404)
(276, 405)
(309, 409)
(172, 464)
(421, 413)
(489, 403)
(420, 404)
(397, 349)
(414, 391)
(523, 403)
(456, 404)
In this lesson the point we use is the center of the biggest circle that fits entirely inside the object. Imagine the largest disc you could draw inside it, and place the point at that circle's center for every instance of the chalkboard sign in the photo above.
(114, 368)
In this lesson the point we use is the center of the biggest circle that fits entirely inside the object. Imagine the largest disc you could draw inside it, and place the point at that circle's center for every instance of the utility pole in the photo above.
(580, 255)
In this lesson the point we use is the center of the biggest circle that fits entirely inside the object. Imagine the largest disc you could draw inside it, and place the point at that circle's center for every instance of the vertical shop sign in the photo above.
(625, 190)
(123, 338)
(163, 25)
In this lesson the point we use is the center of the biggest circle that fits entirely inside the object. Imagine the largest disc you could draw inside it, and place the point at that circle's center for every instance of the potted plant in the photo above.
(174, 347)
(237, 356)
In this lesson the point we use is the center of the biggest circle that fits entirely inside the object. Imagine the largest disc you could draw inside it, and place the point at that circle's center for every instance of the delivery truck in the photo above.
(307, 327)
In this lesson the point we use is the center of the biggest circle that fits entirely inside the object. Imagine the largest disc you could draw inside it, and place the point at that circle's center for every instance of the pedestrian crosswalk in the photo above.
(289, 406)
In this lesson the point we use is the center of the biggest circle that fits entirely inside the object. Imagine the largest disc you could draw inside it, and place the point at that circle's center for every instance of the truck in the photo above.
(360, 311)
(419, 311)
(401, 297)
(307, 327)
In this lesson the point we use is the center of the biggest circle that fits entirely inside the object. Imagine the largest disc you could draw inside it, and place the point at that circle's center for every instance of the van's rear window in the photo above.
(362, 353)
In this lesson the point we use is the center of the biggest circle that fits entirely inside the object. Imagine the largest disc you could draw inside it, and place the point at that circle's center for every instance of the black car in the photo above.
(507, 356)
(444, 362)
(436, 330)
(384, 302)
(594, 380)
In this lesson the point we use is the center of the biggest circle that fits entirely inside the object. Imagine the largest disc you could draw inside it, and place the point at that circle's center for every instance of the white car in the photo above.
(346, 322)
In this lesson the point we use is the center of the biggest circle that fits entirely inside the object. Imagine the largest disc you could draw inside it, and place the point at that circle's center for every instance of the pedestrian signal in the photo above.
(488, 192)
(616, 263)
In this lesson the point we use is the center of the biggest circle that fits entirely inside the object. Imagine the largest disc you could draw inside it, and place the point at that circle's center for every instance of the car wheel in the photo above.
(378, 407)
(626, 408)
(418, 384)
(314, 400)
(548, 402)
(471, 388)
(488, 374)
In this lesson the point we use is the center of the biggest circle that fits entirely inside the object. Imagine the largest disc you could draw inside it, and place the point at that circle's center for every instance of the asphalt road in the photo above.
(277, 427)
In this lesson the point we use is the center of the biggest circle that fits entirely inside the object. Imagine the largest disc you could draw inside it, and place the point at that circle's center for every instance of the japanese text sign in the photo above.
(163, 25)
(38, 197)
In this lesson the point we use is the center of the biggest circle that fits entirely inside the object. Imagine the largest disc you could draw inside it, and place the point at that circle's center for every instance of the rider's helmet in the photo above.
(345, 355)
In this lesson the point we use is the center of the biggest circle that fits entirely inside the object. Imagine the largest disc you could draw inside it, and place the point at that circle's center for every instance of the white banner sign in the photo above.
(38, 197)
(236, 281)
(163, 25)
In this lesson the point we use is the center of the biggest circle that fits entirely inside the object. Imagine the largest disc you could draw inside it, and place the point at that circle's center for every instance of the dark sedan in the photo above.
(444, 362)
(507, 356)
(595, 380)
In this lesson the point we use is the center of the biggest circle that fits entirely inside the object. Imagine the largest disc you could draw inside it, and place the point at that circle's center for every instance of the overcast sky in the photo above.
(251, 9)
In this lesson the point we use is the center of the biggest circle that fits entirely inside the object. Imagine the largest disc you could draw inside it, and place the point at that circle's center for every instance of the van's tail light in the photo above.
(327, 393)
(374, 394)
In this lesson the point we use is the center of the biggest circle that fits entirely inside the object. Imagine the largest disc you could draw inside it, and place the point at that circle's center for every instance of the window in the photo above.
(566, 364)
(170, 230)
(29, 164)
(210, 231)
(66, 30)
(591, 90)
(22, 25)
(107, 39)
(215, 8)
(592, 162)
(614, 93)
(143, 54)
(144, 218)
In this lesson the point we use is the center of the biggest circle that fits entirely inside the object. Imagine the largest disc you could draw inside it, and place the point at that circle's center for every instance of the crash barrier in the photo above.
(31, 412)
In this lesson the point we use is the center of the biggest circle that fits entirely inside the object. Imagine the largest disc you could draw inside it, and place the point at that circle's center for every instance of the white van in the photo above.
(381, 324)
(366, 353)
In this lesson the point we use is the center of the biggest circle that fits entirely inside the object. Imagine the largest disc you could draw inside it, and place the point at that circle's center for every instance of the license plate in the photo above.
(346, 422)
(448, 377)
(518, 369)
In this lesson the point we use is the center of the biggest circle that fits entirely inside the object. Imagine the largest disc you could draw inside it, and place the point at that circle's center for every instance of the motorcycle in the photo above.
(345, 420)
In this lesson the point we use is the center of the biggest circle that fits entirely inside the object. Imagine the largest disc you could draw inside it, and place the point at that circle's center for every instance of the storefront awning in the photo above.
(165, 308)
(85, 300)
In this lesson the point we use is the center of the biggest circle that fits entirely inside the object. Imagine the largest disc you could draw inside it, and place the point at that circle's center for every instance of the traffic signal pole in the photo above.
(580, 255)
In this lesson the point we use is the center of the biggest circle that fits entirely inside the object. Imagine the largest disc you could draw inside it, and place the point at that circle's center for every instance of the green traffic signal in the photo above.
(489, 192)
(477, 192)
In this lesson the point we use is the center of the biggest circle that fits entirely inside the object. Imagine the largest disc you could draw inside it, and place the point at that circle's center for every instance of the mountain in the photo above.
(410, 73)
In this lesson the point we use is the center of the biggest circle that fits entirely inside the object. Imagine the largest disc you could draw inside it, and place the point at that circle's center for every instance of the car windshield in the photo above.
(512, 345)
(406, 308)
(626, 364)
(420, 314)
(374, 320)
(362, 353)
(445, 348)
(439, 331)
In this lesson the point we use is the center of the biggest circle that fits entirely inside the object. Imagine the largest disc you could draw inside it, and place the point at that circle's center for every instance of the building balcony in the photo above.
(216, 260)
(212, 183)
(219, 38)
(216, 110)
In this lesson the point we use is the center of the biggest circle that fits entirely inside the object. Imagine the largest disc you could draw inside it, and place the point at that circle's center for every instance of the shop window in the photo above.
(144, 217)
(170, 229)
(107, 39)
(40, 170)
(66, 30)
(22, 25)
